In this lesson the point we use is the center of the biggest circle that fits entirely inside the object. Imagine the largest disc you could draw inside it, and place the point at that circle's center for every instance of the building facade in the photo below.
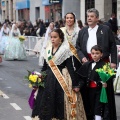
(53, 10)
(105, 8)
(71, 6)
(46, 10)
(37, 10)
(8, 10)
(22, 10)
(0, 12)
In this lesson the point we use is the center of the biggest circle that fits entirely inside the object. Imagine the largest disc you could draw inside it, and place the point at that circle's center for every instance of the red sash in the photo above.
(92, 84)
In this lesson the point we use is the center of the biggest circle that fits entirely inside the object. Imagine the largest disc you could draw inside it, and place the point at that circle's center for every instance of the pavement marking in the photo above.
(1, 78)
(15, 106)
(3, 95)
(27, 117)
(8, 87)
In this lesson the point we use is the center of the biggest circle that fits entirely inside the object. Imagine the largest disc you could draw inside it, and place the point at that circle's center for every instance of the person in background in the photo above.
(45, 42)
(104, 22)
(4, 37)
(42, 29)
(15, 49)
(80, 24)
(113, 22)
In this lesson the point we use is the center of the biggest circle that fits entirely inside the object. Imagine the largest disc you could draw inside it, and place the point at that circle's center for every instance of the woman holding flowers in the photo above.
(98, 95)
(15, 48)
(60, 98)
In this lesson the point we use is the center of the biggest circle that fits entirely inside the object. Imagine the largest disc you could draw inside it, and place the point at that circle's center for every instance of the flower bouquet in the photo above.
(21, 38)
(35, 80)
(105, 74)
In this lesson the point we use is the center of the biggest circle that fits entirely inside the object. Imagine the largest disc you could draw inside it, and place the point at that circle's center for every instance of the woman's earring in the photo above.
(60, 42)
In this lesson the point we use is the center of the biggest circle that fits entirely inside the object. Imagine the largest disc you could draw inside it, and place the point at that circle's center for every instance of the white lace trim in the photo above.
(74, 35)
(61, 55)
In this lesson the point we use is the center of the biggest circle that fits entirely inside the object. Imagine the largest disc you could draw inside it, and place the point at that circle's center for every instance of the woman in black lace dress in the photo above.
(50, 102)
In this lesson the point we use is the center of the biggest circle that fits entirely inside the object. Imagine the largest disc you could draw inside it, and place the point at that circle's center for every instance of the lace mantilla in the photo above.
(61, 55)
(72, 38)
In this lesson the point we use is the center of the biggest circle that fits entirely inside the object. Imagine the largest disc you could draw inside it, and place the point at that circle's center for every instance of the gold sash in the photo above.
(72, 97)
(73, 50)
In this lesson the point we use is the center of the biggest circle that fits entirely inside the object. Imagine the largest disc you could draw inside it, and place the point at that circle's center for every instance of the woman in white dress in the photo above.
(4, 37)
(15, 49)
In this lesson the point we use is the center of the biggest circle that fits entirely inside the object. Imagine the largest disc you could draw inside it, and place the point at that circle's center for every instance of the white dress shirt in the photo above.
(92, 40)
(93, 65)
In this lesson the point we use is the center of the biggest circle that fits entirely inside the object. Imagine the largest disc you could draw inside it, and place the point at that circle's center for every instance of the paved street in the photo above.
(14, 102)
(13, 85)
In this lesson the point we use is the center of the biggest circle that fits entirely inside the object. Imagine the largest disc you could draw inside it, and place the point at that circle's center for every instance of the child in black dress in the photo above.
(91, 85)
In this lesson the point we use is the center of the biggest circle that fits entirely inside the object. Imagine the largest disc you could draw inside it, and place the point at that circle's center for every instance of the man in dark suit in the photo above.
(113, 22)
(102, 36)
(95, 34)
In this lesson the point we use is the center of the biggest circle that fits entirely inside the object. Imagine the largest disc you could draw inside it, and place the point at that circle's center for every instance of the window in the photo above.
(89, 4)
(114, 6)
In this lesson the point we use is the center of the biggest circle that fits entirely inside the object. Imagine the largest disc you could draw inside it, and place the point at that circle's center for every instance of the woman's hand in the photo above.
(76, 89)
(84, 60)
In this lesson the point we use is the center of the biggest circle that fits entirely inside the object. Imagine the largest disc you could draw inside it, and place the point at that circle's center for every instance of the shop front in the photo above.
(53, 10)
(23, 8)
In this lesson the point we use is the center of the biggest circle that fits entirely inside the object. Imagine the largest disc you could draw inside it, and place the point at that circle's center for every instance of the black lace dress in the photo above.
(50, 100)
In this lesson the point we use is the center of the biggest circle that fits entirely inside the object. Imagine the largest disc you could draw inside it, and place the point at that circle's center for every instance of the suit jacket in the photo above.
(113, 23)
(85, 75)
(105, 39)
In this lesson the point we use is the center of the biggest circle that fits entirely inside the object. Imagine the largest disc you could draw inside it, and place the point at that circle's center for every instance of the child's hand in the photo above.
(104, 84)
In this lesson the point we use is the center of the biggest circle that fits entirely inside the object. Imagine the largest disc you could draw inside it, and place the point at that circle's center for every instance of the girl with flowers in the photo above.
(59, 99)
(15, 48)
(97, 92)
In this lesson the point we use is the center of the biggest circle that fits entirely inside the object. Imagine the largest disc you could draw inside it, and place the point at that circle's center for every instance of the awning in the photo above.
(23, 4)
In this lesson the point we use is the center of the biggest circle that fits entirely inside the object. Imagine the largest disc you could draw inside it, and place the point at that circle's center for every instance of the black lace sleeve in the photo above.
(71, 71)
(44, 66)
